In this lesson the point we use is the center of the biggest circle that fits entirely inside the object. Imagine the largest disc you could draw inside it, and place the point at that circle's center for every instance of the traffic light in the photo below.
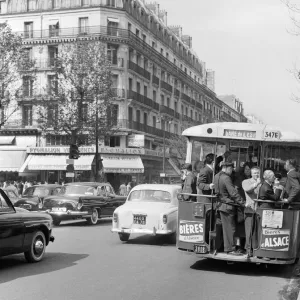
(74, 152)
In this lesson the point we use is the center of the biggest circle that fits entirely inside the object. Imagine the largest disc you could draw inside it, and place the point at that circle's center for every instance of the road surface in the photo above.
(89, 262)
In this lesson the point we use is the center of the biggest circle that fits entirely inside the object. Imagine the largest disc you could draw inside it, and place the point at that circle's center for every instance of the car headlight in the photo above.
(80, 204)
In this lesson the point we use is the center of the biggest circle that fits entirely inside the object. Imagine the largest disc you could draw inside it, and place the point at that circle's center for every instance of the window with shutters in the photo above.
(27, 115)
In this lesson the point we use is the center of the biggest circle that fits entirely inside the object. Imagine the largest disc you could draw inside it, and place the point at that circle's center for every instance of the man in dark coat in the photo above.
(227, 194)
(292, 187)
(190, 183)
(205, 184)
(269, 191)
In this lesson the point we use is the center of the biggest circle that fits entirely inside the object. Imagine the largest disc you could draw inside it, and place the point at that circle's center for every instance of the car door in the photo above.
(11, 229)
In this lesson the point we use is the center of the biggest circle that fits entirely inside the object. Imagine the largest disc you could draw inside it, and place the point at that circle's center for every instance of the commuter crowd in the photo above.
(239, 194)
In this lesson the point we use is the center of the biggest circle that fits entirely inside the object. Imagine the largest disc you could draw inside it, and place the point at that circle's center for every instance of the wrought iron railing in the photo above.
(166, 86)
(136, 68)
(142, 99)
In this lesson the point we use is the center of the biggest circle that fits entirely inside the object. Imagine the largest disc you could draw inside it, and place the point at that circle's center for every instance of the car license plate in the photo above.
(200, 249)
(139, 219)
(58, 209)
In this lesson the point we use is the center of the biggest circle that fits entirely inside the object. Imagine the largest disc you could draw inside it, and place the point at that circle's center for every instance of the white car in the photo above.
(149, 209)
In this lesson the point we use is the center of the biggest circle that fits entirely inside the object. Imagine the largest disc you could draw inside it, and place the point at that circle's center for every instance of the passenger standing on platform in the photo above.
(269, 190)
(205, 179)
(251, 188)
(292, 187)
(227, 194)
(226, 157)
(190, 183)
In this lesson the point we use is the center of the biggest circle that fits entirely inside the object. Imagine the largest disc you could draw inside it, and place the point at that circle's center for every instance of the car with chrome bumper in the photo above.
(88, 200)
(22, 231)
(150, 209)
(34, 196)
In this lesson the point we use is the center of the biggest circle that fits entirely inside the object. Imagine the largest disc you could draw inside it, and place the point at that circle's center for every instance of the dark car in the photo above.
(89, 200)
(13, 197)
(22, 231)
(33, 196)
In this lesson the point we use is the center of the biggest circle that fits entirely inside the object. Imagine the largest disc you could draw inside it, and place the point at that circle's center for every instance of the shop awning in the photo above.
(7, 140)
(56, 163)
(122, 164)
(11, 160)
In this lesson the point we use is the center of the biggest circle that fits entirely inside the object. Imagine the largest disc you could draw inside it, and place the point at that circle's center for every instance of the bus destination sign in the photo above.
(240, 133)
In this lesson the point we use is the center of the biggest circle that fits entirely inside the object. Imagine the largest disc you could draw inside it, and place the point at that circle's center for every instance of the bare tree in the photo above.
(80, 94)
(14, 64)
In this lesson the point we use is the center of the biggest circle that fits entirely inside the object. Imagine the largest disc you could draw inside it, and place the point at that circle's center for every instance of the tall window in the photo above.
(129, 26)
(130, 114)
(111, 3)
(138, 116)
(130, 84)
(137, 32)
(52, 85)
(138, 87)
(176, 128)
(162, 100)
(154, 121)
(168, 102)
(28, 53)
(112, 27)
(112, 51)
(145, 91)
(28, 30)
(54, 29)
(52, 115)
(31, 5)
(145, 119)
(52, 54)
(27, 115)
(83, 25)
(175, 106)
(154, 95)
(27, 86)
(112, 141)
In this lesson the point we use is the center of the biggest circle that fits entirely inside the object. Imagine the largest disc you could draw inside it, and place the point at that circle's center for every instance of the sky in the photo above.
(250, 47)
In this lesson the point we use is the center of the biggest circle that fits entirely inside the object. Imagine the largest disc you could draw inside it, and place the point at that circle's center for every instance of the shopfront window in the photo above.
(112, 141)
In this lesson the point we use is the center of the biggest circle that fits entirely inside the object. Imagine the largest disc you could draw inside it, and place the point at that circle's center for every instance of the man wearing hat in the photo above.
(190, 183)
(227, 194)
(205, 178)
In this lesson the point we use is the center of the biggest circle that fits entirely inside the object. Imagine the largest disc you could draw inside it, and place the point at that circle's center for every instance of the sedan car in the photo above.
(149, 209)
(22, 231)
(89, 200)
(33, 196)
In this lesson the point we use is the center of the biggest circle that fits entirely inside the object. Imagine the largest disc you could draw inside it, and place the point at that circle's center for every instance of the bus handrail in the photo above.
(198, 195)
(272, 201)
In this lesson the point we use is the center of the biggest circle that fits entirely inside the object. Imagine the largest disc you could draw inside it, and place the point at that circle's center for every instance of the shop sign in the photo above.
(191, 231)
(123, 170)
(240, 133)
(275, 239)
(136, 141)
(121, 150)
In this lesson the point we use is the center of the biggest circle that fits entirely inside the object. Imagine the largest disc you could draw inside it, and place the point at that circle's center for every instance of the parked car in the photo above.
(33, 196)
(13, 197)
(22, 231)
(149, 209)
(89, 200)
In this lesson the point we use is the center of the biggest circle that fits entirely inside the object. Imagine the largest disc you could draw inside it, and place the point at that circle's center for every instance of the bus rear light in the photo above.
(165, 219)
(199, 210)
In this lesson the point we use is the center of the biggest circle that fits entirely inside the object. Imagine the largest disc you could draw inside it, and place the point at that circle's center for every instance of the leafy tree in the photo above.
(80, 94)
(14, 64)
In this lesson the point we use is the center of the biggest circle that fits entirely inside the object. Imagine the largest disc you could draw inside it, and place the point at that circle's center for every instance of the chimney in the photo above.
(187, 40)
(177, 30)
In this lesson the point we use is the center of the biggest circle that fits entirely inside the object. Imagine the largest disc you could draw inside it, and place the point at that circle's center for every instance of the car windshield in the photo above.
(150, 195)
(77, 190)
(37, 191)
(4, 207)
(10, 194)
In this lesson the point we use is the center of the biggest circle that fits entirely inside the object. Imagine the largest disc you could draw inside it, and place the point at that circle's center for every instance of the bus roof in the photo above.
(241, 131)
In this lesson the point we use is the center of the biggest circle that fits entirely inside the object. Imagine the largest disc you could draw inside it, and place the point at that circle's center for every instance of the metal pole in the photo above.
(97, 143)
(164, 151)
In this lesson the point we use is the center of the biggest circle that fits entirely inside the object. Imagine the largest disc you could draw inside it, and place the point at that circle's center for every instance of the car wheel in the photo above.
(124, 237)
(56, 222)
(37, 248)
(93, 219)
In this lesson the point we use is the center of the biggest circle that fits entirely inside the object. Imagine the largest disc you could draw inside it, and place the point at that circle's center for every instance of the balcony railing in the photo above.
(155, 80)
(134, 125)
(193, 102)
(199, 105)
(177, 93)
(166, 86)
(142, 99)
(187, 119)
(167, 110)
(136, 68)
(185, 97)
(118, 93)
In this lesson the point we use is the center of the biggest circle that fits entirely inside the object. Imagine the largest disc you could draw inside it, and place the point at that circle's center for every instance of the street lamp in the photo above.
(168, 121)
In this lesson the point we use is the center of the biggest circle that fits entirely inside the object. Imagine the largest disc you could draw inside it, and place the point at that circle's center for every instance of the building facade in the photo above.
(160, 85)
